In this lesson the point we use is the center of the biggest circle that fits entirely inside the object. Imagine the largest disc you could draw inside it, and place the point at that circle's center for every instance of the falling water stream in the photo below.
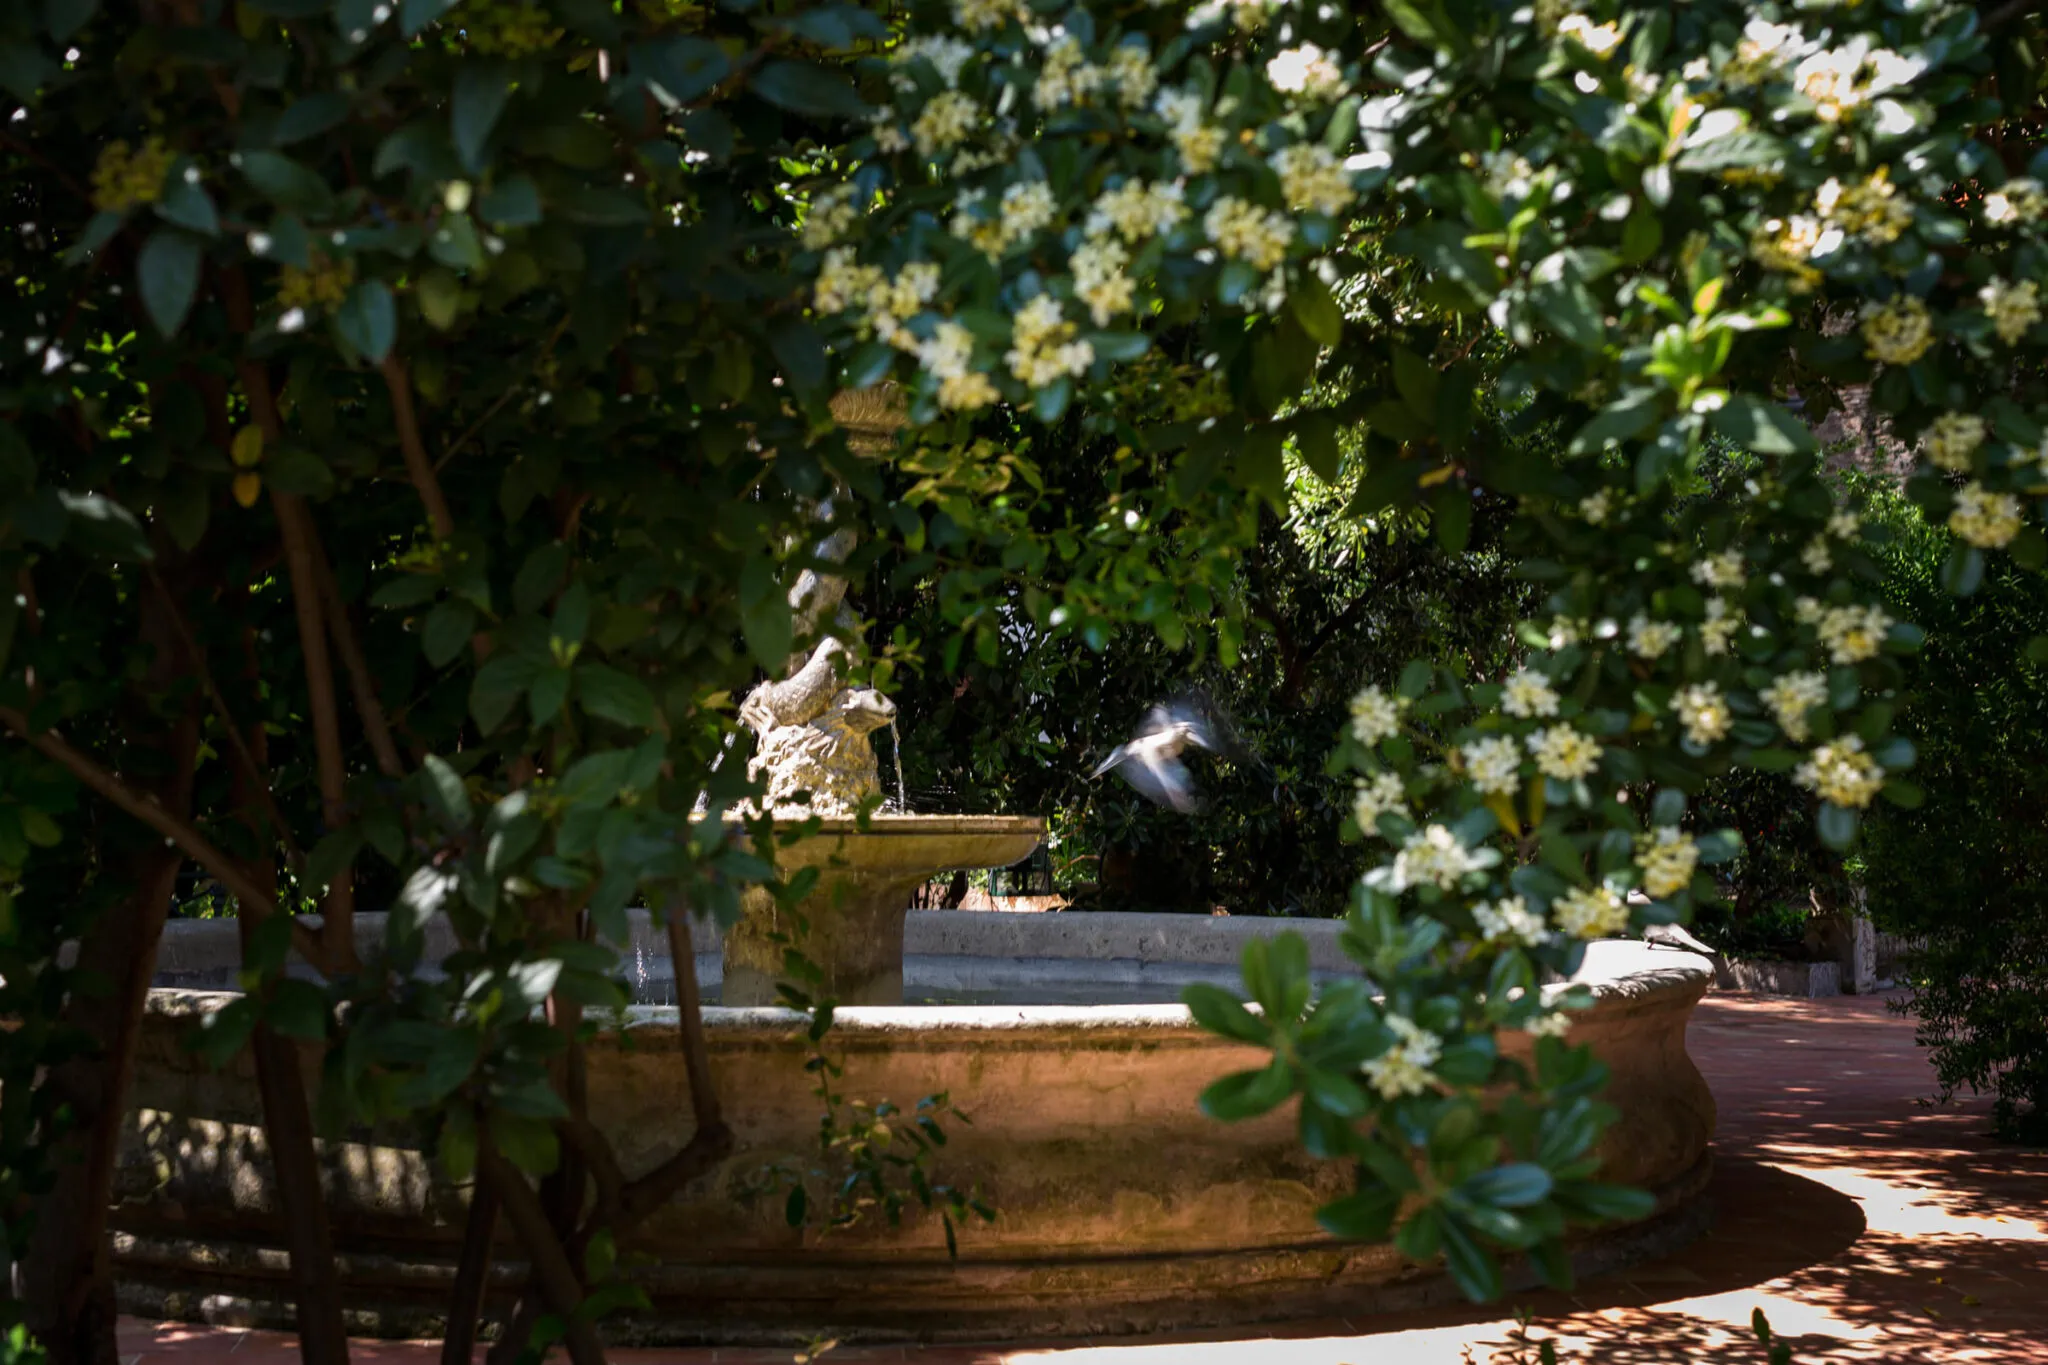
(896, 752)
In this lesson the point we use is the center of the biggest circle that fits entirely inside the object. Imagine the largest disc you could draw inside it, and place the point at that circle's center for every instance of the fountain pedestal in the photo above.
(853, 919)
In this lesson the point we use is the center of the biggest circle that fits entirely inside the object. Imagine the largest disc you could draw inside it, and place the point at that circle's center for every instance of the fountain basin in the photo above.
(1121, 1207)
(854, 916)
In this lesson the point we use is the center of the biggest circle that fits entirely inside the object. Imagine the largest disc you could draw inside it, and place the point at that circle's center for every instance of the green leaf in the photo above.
(1316, 310)
(616, 696)
(368, 321)
(497, 689)
(186, 203)
(335, 851)
(681, 67)
(1222, 1013)
(1416, 381)
(803, 88)
(481, 90)
(1413, 19)
(1315, 437)
(1612, 1203)
(446, 631)
(285, 182)
(1761, 426)
(1247, 1094)
(1366, 1216)
(310, 117)
(297, 1009)
(1962, 573)
(23, 69)
(1509, 1187)
(1627, 417)
(445, 793)
(764, 614)
(295, 469)
(415, 15)
(512, 203)
(167, 270)
(528, 1143)
(65, 17)
(100, 526)
(222, 1033)
(457, 1144)
(1472, 1266)
(801, 353)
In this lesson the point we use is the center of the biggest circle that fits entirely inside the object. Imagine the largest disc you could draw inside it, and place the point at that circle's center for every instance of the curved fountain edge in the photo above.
(1146, 1215)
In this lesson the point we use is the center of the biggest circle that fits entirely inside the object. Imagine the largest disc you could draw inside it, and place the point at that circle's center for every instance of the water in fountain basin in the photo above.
(896, 752)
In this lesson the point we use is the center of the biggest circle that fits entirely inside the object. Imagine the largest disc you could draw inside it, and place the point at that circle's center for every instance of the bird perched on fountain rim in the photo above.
(1151, 759)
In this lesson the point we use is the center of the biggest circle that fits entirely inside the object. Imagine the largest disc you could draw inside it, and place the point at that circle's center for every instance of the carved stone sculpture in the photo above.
(811, 730)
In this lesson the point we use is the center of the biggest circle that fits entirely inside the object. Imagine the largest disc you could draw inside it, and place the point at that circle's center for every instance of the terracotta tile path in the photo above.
(1867, 1226)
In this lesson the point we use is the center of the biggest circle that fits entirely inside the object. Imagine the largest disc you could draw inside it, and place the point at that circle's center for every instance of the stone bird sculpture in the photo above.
(1151, 759)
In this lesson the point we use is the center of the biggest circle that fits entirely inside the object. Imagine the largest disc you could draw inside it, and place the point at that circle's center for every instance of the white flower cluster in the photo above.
(1897, 331)
(1097, 266)
(1510, 918)
(1198, 141)
(1527, 695)
(1872, 209)
(2013, 307)
(1376, 798)
(1025, 208)
(1717, 631)
(1375, 715)
(1841, 80)
(1651, 638)
(1065, 76)
(1306, 70)
(944, 122)
(978, 16)
(1952, 438)
(1984, 518)
(947, 355)
(1043, 347)
(1790, 696)
(2018, 200)
(1723, 570)
(831, 215)
(1246, 232)
(1598, 39)
(1403, 1069)
(1136, 210)
(1131, 68)
(1564, 753)
(1312, 178)
(1494, 764)
(1433, 857)
(1667, 859)
(948, 55)
(1816, 556)
(1841, 772)
(1703, 711)
(1589, 914)
(1851, 633)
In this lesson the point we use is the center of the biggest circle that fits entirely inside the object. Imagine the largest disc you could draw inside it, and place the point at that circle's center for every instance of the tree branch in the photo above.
(472, 1275)
(417, 465)
(502, 399)
(180, 832)
(552, 1273)
(251, 769)
(370, 707)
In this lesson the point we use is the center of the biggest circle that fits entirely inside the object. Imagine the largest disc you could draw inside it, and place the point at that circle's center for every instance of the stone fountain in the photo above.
(812, 748)
(1120, 1207)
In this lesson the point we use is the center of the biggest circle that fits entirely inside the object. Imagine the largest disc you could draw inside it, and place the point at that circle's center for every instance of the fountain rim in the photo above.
(899, 824)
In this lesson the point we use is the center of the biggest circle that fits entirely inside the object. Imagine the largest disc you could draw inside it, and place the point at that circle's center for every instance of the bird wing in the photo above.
(1209, 726)
(1116, 756)
(1675, 936)
(1164, 780)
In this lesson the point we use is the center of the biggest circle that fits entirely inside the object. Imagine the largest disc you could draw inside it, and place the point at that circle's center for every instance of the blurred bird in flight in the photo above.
(1151, 760)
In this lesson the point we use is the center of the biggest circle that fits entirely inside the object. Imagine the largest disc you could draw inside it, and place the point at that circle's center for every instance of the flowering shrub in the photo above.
(1677, 219)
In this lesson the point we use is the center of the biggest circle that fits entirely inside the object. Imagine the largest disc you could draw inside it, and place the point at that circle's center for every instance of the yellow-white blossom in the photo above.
(978, 15)
(1841, 772)
(1873, 210)
(1787, 245)
(1985, 519)
(1375, 715)
(1598, 39)
(1723, 570)
(1598, 507)
(1131, 68)
(1305, 70)
(2018, 200)
(889, 139)
(1565, 632)
(1844, 523)
(1852, 633)
(1555, 1024)
(1897, 331)
(1432, 857)
(1026, 208)
(1043, 347)
(831, 216)
(2013, 307)
(1494, 765)
(1650, 638)
(1830, 79)
(1511, 918)
(1703, 711)
(1564, 753)
(892, 301)
(1815, 556)
(1097, 266)
(1589, 914)
(1312, 178)
(1198, 141)
(1065, 76)
(1376, 798)
(1246, 232)
(843, 281)
(1952, 438)
(948, 55)
(944, 122)
(1404, 1068)
(1717, 631)
(1136, 210)
(1790, 696)
(1528, 694)
(948, 355)
(1763, 50)
(1667, 859)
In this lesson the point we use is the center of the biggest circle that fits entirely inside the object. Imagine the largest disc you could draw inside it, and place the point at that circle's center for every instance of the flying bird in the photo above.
(1151, 759)
(1675, 936)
